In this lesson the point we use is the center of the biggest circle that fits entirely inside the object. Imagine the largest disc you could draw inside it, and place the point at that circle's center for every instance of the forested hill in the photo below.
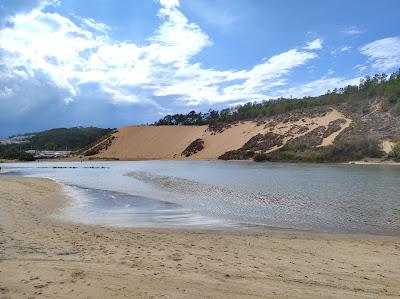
(55, 139)
(67, 138)
(356, 98)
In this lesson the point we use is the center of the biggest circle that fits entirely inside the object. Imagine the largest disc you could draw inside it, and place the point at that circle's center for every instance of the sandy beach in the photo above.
(41, 256)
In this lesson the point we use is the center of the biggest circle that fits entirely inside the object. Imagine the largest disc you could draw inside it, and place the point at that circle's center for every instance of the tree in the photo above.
(50, 145)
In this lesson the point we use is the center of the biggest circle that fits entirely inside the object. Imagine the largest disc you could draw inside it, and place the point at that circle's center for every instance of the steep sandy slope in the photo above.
(151, 142)
(168, 142)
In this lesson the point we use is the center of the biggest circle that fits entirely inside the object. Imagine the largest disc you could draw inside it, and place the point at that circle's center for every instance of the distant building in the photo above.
(49, 154)
(16, 139)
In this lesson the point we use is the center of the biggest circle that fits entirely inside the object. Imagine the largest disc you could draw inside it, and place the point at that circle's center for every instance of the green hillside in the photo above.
(71, 139)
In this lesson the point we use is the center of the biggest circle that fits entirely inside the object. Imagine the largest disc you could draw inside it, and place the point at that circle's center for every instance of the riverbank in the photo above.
(375, 161)
(43, 256)
(367, 161)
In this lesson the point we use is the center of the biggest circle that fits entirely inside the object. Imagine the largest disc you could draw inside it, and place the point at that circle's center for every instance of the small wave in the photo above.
(186, 187)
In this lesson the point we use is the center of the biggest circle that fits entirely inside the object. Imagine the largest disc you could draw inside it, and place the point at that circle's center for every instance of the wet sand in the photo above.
(41, 256)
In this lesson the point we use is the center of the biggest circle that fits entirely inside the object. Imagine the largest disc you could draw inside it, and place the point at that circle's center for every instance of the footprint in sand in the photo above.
(3, 291)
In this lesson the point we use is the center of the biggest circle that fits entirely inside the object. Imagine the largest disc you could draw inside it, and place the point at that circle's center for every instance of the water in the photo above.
(214, 194)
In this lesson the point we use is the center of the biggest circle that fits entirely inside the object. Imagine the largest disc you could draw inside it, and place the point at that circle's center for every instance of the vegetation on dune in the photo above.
(191, 119)
(193, 148)
(341, 151)
(356, 96)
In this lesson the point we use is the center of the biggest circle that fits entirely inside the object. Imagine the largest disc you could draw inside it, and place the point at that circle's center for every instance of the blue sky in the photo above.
(113, 63)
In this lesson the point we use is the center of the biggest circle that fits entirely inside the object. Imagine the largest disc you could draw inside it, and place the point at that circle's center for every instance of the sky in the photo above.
(111, 63)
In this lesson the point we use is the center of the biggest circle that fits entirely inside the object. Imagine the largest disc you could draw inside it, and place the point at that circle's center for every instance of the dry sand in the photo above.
(168, 142)
(387, 146)
(43, 257)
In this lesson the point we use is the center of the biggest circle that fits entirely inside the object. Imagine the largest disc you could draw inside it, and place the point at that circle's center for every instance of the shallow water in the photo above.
(213, 194)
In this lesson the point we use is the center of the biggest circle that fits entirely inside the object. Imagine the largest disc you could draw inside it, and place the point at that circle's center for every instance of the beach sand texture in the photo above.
(41, 256)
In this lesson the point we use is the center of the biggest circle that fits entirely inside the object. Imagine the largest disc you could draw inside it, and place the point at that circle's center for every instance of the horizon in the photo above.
(116, 63)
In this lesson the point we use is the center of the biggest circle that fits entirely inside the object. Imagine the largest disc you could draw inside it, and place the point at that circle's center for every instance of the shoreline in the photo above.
(369, 161)
(77, 159)
(40, 255)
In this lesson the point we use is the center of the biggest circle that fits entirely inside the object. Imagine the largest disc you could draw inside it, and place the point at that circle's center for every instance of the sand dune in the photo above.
(168, 142)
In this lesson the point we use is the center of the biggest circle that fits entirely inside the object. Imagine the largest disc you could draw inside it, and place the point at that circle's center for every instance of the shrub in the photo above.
(290, 156)
(397, 108)
(365, 108)
(352, 150)
(239, 154)
(91, 152)
(193, 148)
(395, 153)
(312, 157)
(26, 157)
(385, 105)
(299, 147)
(341, 151)
(260, 157)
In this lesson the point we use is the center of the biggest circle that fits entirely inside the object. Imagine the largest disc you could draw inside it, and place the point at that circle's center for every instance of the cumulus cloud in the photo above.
(384, 54)
(12, 7)
(169, 3)
(71, 55)
(76, 57)
(314, 45)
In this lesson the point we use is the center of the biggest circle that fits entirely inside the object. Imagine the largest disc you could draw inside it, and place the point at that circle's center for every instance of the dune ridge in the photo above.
(168, 142)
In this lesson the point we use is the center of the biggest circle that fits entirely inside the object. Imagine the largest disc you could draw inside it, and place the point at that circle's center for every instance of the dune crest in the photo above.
(169, 142)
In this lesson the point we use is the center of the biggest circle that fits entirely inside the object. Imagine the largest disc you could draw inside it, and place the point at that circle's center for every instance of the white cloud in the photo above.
(169, 3)
(177, 39)
(384, 54)
(68, 100)
(314, 45)
(6, 91)
(90, 23)
(71, 55)
(341, 50)
(360, 68)
(345, 49)
(317, 87)
(353, 30)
